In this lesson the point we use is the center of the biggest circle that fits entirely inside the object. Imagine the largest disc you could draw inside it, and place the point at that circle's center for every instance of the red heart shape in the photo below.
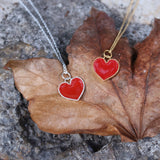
(104, 69)
(73, 90)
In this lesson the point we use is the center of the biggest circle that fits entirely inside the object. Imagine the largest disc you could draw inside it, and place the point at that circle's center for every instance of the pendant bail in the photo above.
(66, 75)
(107, 54)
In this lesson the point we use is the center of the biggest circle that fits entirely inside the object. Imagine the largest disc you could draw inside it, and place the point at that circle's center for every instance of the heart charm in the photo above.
(106, 70)
(73, 90)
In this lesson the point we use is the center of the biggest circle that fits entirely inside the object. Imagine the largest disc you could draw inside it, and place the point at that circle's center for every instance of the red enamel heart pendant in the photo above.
(106, 70)
(73, 90)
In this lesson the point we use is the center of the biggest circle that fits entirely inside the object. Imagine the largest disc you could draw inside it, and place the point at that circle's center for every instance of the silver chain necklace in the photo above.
(72, 90)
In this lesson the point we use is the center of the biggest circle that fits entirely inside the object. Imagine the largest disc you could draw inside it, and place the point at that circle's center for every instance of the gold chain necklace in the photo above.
(106, 67)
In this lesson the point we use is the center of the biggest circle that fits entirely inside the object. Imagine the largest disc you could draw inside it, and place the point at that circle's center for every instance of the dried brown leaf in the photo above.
(127, 105)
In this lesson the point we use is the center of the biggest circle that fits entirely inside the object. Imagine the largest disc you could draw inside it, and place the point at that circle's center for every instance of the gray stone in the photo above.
(20, 38)
(145, 12)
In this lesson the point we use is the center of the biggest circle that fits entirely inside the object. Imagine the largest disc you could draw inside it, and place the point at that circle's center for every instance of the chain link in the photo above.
(49, 38)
